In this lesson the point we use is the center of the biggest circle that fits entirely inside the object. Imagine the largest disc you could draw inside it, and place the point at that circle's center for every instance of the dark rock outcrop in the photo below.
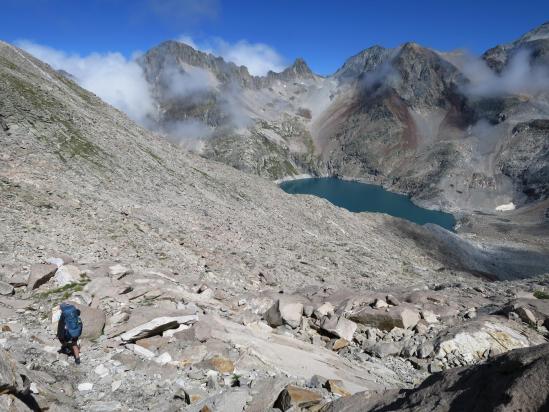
(516, 380)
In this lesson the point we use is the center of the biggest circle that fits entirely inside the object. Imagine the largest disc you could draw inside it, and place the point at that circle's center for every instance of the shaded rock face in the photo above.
(517, 380)
(525, 159)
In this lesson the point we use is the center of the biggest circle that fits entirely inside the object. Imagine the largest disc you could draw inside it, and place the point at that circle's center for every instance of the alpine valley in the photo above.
(203, 286)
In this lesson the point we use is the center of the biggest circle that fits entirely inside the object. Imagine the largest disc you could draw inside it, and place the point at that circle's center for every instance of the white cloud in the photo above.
(182, 83)
(259, 58)
(188, 40)
(115, 79)
(518, 76)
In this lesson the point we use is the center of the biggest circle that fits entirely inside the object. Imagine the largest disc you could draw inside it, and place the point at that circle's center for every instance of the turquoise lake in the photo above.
(362, 197)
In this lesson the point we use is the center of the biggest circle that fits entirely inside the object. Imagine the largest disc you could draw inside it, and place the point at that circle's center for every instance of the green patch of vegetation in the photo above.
(540, 294)
(58, 295)
(235, 380)
(73, 144)
(84, 95)
(6, 63)
(26, 91)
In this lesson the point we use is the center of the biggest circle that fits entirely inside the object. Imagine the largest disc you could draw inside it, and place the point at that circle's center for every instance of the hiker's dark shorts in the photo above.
(69, 339)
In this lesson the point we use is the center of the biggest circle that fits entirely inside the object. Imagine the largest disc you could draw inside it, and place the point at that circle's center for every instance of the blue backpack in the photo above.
(71, 317)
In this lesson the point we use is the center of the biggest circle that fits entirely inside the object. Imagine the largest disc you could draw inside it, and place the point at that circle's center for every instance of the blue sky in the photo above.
(323, 32)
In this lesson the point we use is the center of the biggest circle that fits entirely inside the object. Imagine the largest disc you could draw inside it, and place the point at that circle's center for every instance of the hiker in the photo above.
(69, 329)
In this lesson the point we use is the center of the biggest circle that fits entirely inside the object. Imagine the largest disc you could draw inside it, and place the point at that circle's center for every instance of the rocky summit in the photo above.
(205, 288)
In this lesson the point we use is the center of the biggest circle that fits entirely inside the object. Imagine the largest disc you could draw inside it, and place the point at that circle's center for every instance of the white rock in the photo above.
(170, 332)
(284, 312)
(324, 310)
(34, 388)
(157, 326)
(163, 359)
(66, 275)
(429, 316)
(55, 261)
(340, 327)
(118, 271)
(474, 340)
(86, 386)
(101, 370)
(380, 304)
(116, 385)
(144, 352)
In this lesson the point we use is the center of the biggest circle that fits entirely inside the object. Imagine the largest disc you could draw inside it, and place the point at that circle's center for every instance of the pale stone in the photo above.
(324, 310)
(156, 327)
(397, 316)
(425, 350)
(284, 312)
(6, 289)
(339, 326)
(84, 387)
(101, 370)
(144, 352)
(429, 316)
(34, 388)
(55, 261)
(163, 359)
(526, 315)
(115, 385)
(380, 304)
(39, 275)
(506, 207)
(118, 271)
(66, 275)
(384, 349)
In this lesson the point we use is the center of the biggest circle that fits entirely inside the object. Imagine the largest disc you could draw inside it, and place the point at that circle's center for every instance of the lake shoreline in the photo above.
(362, 196)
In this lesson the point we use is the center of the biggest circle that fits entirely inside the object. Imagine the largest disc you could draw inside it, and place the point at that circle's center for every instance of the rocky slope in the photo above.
(413, 119)
(205, 288)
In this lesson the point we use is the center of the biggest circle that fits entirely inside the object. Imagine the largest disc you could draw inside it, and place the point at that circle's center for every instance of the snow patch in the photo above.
(505, 207)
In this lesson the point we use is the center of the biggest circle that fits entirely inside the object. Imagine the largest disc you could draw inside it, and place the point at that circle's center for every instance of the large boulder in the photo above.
(284, 311)
(485, 337)
(515, 381)
(10, 380)
(40, 274)
(297, 398)
(529, 310)
(402, 316)
(93, 320)
(6, 289)
(11, 403)
(66, 275)
(14, 275)
(339, 326)
(157, 326)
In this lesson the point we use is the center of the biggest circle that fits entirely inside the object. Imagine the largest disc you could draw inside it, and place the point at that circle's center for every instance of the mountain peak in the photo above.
(366, 60)
(299, 69)
(540, 32)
